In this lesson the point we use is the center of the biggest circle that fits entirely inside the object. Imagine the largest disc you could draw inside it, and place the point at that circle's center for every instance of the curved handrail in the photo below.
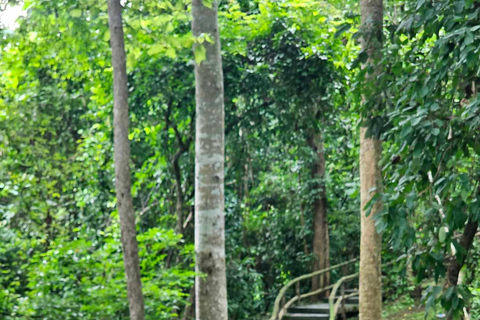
(298, 298)
(334, 306)
(279, 312)
(333, 294)
(342, 299)
(281, 294)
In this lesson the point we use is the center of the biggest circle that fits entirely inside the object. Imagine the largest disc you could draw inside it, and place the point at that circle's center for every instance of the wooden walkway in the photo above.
(320, 311)
(341, 301)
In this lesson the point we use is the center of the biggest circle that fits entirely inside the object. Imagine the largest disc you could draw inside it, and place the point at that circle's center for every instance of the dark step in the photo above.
(304, 316)
(316, 308)
(353, 300)
(320, 308)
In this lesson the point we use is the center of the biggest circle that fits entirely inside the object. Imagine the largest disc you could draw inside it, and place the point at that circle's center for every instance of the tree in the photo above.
(211, 289)
(122, 162)
(321, 243)
(370, 171)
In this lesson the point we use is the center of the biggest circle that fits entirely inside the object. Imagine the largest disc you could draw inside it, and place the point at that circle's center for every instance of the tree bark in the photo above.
(321, 243)
(179, 195)
(122, 159)
(211, 292)
(370, 240)
(370, 172)
(189, 312)
(456, 264)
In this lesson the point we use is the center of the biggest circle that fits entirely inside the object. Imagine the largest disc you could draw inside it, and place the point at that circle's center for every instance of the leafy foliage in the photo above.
(292, 70)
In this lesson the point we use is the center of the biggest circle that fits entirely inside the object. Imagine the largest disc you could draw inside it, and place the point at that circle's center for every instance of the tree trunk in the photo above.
(456, 263)
(466, 242)
(179, 195)
(122, 159)
(211, 291)
(370, 242)
(321, 245)
(370, 173)
(189, 312)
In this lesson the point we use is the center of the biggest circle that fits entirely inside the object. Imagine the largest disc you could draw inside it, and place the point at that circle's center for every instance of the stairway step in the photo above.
(349, 300)
(305, 316)
(353, 300)
(319, 308)
(311, 308)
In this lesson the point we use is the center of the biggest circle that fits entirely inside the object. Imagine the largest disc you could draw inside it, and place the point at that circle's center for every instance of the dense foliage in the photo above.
(292, 69)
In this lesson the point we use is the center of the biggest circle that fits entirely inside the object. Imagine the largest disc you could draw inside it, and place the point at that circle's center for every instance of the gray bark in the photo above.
(370, 174)
(122, 159)
(211, 293)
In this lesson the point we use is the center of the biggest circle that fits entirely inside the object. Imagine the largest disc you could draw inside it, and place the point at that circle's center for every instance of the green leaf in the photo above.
(200, 54)
(362, 58)
(154, 49)
(442, 234)
(106, 36)
(76, 13)
(208, 3)
(416, 121)
(171, 53)
(434, 106)
(342, 28)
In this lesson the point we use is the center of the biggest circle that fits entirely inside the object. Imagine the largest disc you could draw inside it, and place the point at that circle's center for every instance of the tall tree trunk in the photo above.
(211, 291)
(122, 159)
(370, 172)
(370, 240)
(321, 243)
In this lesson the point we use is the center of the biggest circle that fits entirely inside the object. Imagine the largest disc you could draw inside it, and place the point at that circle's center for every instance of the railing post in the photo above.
(297, 289)
(344, 315)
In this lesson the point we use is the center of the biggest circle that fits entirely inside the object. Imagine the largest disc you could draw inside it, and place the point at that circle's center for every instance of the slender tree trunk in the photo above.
(370, 173)
(321, 243)
(247, 208)
(189, 312)
(122, 159)
(179, 195)
(456, 263)
(211, 289)
(466, 241)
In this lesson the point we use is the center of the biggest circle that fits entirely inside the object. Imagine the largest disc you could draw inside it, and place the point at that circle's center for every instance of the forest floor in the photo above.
(402, 309)
(410, 313)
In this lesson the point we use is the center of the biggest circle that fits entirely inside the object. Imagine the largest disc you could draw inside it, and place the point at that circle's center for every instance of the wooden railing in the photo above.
(335, 306)
(280, 306)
